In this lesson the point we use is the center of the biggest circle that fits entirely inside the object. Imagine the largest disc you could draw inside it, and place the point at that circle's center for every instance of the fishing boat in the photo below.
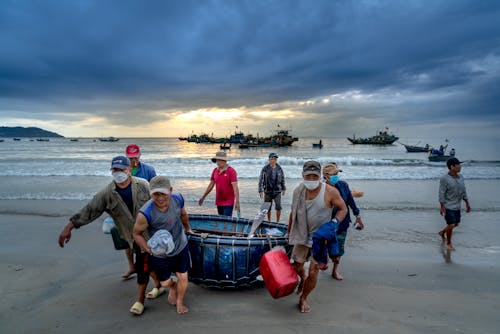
(416, 149)
(440, 155)
(16, 139)
(381, 138)
(109, 139)
(42, 139)
(225, 146)
(225, 253)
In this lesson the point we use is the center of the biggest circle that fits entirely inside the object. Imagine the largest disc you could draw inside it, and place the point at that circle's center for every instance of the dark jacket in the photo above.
(265, 180)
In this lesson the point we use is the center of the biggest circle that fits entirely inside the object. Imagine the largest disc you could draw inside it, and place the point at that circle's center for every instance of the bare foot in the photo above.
(337, 276)
(450, 247)
(181, 309)
(172, 295)
(304, 307)
(443, 236)
(128, 274)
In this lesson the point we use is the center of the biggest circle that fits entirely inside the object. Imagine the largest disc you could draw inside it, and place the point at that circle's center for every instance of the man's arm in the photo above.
(185, 220)
(65, 235)
(209, 189)
(236, 195)
(141, 224)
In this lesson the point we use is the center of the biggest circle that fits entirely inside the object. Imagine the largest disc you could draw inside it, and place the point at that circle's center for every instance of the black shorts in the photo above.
(165, 266)
(452, 216)
(141, 265)
(270, 197)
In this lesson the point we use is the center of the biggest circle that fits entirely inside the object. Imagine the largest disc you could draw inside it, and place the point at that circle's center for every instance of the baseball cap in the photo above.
(120, 162)
(273, 155)
(159, 184)
(311, 167)
(452, 162)
(133, 151)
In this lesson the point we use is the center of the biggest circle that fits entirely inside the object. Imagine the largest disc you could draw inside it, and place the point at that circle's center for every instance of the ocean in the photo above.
(400, 201)
(63, 169)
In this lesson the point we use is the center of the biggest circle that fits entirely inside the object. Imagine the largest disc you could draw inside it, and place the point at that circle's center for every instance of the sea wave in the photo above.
(355, 168)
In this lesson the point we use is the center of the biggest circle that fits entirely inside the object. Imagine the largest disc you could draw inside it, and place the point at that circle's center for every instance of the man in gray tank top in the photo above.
(312, 205)
(165, 215)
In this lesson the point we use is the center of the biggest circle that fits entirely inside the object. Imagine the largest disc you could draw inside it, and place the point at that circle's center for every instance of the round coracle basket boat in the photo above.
(222, 253)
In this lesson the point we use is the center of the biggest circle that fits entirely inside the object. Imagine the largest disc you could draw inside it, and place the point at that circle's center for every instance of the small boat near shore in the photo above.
(381, 138)
(318, 145)
(417, 149)
(440, 155)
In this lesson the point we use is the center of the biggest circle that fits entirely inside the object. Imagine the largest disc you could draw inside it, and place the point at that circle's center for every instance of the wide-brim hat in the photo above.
(220, 155)
(331, 168)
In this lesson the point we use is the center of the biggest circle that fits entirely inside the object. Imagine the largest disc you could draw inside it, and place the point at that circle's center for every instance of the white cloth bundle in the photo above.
(161, 243)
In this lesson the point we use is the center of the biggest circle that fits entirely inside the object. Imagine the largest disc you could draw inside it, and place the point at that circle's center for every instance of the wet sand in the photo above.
(392, 283)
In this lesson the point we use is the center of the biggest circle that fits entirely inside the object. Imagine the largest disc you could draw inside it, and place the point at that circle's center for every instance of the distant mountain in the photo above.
(18, 131)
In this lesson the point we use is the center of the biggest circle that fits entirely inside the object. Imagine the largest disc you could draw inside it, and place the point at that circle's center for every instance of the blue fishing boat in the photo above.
(225, 253)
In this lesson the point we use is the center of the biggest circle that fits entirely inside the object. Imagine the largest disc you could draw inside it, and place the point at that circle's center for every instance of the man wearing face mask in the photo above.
(312, 205)
(144, 171)
(121, 199)
(330, 174)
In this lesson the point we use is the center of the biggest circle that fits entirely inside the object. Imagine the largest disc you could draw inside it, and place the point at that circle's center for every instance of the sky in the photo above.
(320, 68)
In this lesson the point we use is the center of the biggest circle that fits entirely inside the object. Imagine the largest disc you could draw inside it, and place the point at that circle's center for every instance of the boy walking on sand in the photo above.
(451, 193)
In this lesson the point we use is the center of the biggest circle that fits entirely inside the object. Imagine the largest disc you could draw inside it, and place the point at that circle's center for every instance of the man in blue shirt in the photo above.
(330, 174)
(139, 169)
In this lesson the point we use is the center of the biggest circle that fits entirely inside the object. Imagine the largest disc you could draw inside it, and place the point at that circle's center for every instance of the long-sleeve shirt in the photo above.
(452, 191)
(108, 200)
(346, 195)
(272, 180)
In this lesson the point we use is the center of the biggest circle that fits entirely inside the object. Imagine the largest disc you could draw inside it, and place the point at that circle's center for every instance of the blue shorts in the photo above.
(165, 266)
(225, 210)
(452, 216)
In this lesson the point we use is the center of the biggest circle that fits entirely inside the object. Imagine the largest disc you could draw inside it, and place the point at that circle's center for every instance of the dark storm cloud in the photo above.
(104, 56)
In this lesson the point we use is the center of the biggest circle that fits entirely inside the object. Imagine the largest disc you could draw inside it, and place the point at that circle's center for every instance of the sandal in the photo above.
(137, 308)
(155, 292)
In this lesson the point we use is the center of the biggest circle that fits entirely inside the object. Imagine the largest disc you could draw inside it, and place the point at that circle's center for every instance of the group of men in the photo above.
(153, 220)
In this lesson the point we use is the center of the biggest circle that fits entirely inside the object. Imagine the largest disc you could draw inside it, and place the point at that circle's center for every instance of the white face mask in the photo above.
(120, 177)
(311, 185)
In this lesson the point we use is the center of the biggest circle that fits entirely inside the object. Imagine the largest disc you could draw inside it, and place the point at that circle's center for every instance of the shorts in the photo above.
(165, 266)
(341, 241)
(452, 217)
(142, 265)
(301, 253)
(225, 210)
(270, 197)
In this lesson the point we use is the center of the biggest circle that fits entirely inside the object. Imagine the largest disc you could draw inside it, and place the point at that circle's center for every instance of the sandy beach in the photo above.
(392, 284)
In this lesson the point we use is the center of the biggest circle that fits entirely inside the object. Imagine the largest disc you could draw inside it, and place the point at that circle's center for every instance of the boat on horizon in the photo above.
(109, 139)
(381, 138)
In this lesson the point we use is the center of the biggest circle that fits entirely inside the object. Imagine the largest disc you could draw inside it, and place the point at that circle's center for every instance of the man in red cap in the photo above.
(139, 169)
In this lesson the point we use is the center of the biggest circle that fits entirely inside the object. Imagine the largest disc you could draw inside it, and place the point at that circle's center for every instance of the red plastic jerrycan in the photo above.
(279, 276)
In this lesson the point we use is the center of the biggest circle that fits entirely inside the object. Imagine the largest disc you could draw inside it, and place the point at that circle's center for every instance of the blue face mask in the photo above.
(334, 179)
